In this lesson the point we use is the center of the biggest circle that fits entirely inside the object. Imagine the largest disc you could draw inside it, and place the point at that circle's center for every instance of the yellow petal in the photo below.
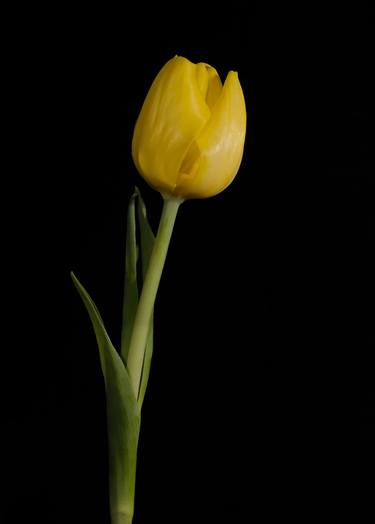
(209, 83)
(202, 78)
(214, 87)
(173, 113)
(214, 157)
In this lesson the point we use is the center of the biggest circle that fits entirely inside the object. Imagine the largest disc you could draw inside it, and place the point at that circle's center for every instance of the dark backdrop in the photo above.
(261, 357)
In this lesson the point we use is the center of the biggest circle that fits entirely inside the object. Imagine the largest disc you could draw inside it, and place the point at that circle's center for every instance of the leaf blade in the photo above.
(123, 413)
(147, 236)
(130, 301)
(147, 240)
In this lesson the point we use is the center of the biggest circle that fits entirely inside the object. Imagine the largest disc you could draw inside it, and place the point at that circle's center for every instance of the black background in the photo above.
(261, 361)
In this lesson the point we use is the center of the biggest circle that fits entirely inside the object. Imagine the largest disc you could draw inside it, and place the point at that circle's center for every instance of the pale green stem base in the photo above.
(121, 518)
(150, 286)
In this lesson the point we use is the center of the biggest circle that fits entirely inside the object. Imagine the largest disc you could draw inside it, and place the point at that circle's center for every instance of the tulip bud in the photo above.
(189, 137)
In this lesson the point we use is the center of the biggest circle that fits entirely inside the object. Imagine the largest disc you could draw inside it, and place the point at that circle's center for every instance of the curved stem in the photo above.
(150, 286)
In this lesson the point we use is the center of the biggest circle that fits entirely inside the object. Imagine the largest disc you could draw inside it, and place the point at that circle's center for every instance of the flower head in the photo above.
(189, 137)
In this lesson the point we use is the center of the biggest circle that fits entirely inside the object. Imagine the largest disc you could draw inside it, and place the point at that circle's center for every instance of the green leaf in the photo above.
(130, 302)
(147, 243)
(146, 234)
(123, 414)
(146, 364)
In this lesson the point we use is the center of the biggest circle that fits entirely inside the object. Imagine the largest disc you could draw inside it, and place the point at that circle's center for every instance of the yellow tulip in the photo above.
(189, 137)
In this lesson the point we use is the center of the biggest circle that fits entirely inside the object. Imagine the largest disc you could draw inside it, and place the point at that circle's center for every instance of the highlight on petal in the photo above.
(214, 157)
(173, 113)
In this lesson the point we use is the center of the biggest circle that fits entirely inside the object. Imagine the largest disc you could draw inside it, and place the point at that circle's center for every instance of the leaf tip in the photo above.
(75, 280)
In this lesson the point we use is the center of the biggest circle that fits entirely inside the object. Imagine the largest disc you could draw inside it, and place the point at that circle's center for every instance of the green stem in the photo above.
(121, 518)
(150, 287)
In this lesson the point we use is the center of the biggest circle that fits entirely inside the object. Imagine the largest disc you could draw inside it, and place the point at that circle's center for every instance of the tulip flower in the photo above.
(189, 138)
(188, 143)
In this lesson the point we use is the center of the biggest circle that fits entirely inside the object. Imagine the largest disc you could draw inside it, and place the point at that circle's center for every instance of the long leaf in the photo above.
(146, 234)
(147, 243)
(130, 283)
(123, 415)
